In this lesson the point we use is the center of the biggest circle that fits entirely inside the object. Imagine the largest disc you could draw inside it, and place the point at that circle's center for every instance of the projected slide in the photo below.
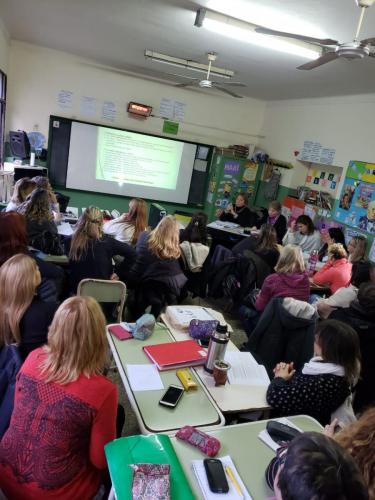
(119, 162)
(126, 157)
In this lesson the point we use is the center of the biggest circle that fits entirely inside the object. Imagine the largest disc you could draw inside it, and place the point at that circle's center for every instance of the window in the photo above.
(3, 91)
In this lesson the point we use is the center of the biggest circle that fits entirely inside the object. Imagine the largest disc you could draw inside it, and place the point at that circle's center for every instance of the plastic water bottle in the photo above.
(311, 264)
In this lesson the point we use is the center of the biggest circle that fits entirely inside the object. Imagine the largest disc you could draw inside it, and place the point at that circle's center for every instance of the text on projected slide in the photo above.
(126, 157)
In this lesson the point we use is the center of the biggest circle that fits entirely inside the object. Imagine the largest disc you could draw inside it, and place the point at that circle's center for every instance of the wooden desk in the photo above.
(250, 455)
(229, 398)
(196, 408)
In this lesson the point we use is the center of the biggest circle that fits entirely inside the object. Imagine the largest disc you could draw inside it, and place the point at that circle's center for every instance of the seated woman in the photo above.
(64, 411)
(41, 229)
(91, 251)
(14, 240)
(358, 440)
(362, 272)
(194, 253)
(357, 249)
(156, 275)
(264, 245)
(22, 188)
(326, 381)
(277, 220)
(333, 235)
(336, 273)
(24, 318)
(42, 182)
(130, 225)
(303, 234)
(360, 315)
(239, 213)
(289, 280)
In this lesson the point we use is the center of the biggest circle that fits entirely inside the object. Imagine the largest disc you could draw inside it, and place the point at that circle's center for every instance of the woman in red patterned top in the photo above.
(64, 411)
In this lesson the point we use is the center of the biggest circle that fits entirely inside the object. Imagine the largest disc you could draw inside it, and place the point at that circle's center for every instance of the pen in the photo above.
(234, 481)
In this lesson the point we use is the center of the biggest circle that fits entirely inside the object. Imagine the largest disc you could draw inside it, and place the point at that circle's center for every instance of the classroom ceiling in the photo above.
(116, 33)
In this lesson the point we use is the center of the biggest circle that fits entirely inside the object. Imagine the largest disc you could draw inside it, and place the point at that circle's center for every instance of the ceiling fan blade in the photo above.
(368, 41)
(308, 39)
(226, 91)
(325, 58)
(231, 84)
(186, 84)
(183, 76)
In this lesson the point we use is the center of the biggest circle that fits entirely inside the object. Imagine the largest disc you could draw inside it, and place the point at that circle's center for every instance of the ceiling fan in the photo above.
(357, 49)
(210, 84)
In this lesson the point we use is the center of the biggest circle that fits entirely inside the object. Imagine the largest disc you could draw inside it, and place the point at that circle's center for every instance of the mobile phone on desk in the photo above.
(217, 480)
(172, 396)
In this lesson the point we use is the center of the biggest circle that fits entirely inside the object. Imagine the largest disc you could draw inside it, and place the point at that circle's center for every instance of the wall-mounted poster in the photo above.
(356, 205)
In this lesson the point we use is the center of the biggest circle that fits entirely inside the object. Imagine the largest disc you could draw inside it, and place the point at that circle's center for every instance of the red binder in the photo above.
(171, 355)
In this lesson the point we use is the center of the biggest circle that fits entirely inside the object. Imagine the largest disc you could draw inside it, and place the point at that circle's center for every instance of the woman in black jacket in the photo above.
(24, 318)
(156, 275)
(264, 245)
(239, 212)
(91, 251)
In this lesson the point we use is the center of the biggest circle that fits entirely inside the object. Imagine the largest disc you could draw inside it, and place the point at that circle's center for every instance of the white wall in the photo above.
(343, 123)
(4, 47)
(37, 74)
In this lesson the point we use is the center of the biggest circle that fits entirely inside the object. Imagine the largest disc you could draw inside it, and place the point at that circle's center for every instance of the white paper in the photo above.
(72, 210)
(182, 315)
(144, 378)
(109, 111)
(232, 494)
(266, 438)
(65, 229)
(166, 108)
(65, 99)
(179, 111)
(245, 370)
(88, 105)
(219, 224)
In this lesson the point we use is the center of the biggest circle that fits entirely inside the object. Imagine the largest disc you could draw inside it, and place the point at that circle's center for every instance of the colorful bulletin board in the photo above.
(323, 178)
(356, 205)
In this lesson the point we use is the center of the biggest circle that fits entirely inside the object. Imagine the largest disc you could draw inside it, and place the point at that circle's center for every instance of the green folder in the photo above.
(153, 448)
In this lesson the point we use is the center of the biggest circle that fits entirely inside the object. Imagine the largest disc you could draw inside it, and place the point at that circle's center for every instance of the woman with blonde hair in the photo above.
(130, 225)
(24, 318)
(289, 280)
(64, 412)
(156, 271)
(91, 251)
(22, 188)
(336, 273)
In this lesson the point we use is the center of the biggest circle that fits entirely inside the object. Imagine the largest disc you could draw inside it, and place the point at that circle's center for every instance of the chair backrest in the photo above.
(104, 291)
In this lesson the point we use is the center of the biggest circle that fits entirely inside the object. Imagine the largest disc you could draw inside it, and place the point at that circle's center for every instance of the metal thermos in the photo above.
(217, 347)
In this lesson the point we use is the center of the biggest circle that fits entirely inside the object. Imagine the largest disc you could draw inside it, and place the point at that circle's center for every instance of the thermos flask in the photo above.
(217, 347)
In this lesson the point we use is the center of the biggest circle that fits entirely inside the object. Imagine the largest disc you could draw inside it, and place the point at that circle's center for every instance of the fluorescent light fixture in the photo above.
(188, 64)
(244, 32)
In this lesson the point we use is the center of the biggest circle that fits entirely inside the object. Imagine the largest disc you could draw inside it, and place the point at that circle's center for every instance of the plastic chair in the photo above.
(105, 291)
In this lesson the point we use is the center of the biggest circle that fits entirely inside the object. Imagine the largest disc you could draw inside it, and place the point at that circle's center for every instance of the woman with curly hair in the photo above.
(41, 228)
(358, 439)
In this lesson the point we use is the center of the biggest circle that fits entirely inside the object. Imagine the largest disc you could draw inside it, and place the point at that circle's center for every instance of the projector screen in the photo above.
(126, 163)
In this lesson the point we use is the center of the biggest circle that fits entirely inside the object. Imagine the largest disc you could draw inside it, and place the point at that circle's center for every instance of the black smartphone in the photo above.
(217, 480)
(172, 396)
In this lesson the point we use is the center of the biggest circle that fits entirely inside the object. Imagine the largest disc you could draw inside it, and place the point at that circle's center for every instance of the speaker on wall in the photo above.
(19, 144)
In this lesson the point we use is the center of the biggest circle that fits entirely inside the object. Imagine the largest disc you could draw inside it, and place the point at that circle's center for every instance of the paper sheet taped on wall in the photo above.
(109, 111)
(65, 99)
(88, 105)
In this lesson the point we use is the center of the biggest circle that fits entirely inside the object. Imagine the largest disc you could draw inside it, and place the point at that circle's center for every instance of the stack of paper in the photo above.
(144, 377)
(266, 438)
(180, 316)
(232, 494)
(245, 370)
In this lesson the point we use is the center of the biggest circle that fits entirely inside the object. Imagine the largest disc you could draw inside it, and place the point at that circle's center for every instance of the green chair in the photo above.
(105, 291)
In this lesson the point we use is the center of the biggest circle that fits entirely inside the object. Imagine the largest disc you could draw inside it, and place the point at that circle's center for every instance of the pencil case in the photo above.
(186, 379)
